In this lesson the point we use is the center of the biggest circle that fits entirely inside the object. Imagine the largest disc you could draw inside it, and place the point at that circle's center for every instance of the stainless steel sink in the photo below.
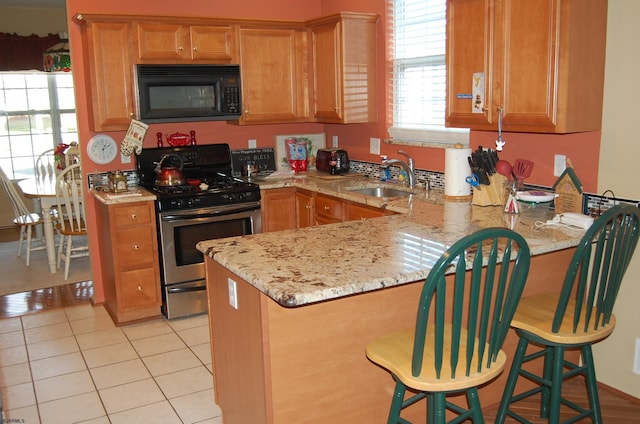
(381, 192)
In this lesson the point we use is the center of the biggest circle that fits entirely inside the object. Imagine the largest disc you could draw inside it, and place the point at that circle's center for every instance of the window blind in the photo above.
(418, 76)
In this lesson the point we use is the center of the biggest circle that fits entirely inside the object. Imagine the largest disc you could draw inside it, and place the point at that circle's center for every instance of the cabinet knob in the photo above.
(195, 49)
(307, 207)
(139, 288)
(134, 216)
(246, 112)
(327, 208)
(181, 48)
(136, 247)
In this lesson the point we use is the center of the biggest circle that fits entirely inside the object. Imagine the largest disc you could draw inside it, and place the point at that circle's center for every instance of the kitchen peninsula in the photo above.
(291, 311)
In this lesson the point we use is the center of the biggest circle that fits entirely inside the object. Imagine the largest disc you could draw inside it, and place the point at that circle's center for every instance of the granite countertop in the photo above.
(308, 265)
(137, 194)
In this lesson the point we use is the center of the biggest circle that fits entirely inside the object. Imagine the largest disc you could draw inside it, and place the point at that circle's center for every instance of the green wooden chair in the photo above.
(461, 324)
(579, 316)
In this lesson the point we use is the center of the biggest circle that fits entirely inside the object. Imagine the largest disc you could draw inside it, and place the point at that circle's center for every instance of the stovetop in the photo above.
(206, 164)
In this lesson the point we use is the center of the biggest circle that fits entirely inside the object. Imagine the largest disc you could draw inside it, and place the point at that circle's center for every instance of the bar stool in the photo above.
(456, 344)
(582, 314)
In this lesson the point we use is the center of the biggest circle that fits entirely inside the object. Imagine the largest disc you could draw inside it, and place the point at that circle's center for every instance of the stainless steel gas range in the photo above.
(210, 204)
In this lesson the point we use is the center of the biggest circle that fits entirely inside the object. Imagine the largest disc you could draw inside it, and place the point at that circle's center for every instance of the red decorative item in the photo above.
(178, 140)
(193, 137)
(159, 135)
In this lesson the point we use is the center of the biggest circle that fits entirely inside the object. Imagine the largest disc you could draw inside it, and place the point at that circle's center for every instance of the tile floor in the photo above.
(73, 365)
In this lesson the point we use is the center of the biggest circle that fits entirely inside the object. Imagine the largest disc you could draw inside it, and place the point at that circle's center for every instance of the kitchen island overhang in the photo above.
(309, 300)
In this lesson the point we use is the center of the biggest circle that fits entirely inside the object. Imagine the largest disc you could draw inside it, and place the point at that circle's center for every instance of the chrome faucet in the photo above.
(407, 166)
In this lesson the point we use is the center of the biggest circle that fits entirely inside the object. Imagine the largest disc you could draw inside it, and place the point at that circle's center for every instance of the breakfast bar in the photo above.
(291, 311)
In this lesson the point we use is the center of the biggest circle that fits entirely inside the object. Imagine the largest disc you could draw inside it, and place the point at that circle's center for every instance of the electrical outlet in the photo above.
(233, 294)
(636, 357)
(374, 146)
(252, 144)
(559, 165)
(334, 141)
(125, 158)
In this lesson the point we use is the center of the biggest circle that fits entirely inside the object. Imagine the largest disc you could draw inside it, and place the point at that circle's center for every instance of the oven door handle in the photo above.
(180, 217)
(186, 289)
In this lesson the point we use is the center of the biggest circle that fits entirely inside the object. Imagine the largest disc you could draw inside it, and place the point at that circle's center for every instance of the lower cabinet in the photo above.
(131, 271)
(357, 211)
(328, 210)
(278, 209)
(305, 205)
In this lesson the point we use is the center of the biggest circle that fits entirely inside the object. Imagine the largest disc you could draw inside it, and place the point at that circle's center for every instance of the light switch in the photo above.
(374, 146)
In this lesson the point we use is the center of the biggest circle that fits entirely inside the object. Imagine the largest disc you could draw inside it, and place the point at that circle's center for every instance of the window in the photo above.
(37, 112)
(419, 74)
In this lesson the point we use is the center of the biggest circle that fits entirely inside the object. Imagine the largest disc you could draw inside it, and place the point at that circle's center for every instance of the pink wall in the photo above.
(582, 149)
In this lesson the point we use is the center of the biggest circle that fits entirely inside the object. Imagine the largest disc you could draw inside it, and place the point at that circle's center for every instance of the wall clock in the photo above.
(102, 149)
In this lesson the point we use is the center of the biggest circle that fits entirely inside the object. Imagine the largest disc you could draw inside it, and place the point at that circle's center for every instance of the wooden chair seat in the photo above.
(394, 352)
(535, 315)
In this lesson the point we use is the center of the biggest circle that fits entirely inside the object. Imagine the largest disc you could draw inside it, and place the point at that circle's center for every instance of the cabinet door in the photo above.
(212, 43)
(328, 209)
(162, 41)
(304, 208)
(344, 68)
(361, 212)
(274, 69)
(278, 209)
(110, 75)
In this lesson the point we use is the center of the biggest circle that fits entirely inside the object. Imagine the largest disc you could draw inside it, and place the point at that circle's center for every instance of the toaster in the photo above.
(334, 161)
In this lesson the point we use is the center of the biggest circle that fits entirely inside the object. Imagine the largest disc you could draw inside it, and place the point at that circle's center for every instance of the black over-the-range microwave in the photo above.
(175, 93)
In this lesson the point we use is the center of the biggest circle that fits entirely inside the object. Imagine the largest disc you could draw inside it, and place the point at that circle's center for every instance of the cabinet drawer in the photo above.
(139, 288)
(132, 214)
(135, 247)
(329, 209)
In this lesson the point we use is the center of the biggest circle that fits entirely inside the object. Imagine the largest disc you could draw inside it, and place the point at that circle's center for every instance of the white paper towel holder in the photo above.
(465, 197)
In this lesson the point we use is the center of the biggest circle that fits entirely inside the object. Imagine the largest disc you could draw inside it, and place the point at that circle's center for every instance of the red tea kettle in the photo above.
(171, 175)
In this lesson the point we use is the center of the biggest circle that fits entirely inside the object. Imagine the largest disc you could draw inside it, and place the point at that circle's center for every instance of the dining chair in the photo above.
(71, 216)
(46, 164)
(23, 217)
(580, 315)
(463, 316)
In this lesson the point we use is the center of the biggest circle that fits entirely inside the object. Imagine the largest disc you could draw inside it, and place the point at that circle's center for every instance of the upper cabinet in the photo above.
(273, 63)
(344, 68)
(109, 75)
(178, 43)
(539, 63)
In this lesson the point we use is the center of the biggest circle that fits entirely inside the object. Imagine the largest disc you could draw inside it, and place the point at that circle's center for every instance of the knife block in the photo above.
(494, 194)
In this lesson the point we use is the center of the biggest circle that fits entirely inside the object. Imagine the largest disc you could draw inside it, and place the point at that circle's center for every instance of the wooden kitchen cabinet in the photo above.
(542, 62)
(273, 63)
(329, 210)
(178, 43)
(278, 207)
(357, 211)
(131, 272)
(344, 68)
(109, 75)
(305, 205)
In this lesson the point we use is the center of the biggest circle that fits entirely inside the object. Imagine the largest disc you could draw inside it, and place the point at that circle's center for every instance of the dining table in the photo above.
(42, 191)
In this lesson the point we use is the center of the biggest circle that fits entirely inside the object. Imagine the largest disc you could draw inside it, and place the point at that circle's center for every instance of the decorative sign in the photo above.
(263, 158)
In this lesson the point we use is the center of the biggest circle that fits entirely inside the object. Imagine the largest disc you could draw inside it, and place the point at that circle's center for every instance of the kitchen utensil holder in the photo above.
(492, 194)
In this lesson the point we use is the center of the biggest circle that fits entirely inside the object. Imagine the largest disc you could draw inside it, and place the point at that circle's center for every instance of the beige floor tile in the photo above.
(216, 420)
(158, 344)
(168, 362)
(185, 382)
(91, 324)
(160, 412)
(195, 336)
(51, 348)
(100, 420)
(57, 365)
(96, 339)
(27, 415)
(131, 395)
(13, 355)
(47, 332)
(18, 396)
(84, 311)
(12, 339)
(107, 355)
(67, 410)
(196, 407)
(46, 318)
(15, 374)
(147, 329)
(203, 352)
(120, 373)
(63, 386)
(10, 324)
(184, 323)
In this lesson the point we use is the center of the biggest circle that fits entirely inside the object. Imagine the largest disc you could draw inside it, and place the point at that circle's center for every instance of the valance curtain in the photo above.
(24, 53)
